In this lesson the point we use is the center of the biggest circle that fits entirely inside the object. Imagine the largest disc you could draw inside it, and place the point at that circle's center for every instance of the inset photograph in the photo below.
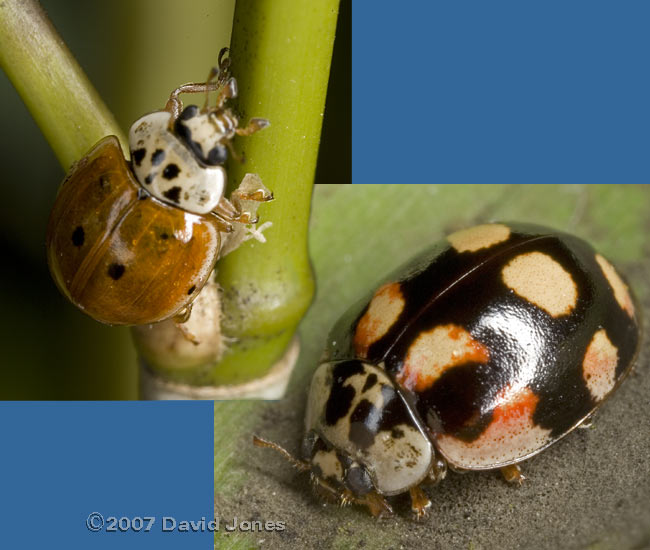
(158, 246)
(466, 379)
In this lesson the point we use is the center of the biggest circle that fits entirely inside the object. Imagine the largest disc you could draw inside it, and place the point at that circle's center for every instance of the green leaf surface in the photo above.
(592, 487)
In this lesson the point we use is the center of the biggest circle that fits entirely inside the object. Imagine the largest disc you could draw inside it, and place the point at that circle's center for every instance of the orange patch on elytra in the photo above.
(511, 435)
(437, 350)
(385, 307)
(521, 405)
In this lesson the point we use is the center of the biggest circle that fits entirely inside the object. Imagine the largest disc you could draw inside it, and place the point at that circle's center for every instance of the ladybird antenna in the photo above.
(300, 465)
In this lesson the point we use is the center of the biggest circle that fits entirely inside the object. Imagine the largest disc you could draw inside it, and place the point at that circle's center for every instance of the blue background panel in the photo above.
(62, 461)
(501, 92)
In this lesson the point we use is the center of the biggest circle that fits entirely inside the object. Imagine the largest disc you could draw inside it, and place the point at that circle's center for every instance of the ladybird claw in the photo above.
(420, 503)
(512, 474)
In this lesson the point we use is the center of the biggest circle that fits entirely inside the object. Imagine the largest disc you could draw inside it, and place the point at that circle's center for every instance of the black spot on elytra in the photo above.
(78, 236)
(115, 271)
(164, 236)
(138, 155)
(173, 194)
(149, 179)
(157, 157)
(362, 421)
(371, 380)
(192, 289)
(171, 171)
(452, 401)
(104, 181)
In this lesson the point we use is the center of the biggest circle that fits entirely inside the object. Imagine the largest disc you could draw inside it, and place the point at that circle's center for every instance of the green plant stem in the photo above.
(281, 53)
(53, 86)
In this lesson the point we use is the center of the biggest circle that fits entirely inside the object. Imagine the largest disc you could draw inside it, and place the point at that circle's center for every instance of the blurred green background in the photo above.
(134, 53)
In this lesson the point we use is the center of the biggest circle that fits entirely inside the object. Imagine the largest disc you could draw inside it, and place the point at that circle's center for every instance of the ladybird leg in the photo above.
(227, 91)
(420, 502)
(376, 504)
(224, 64)
(187, 334)
(587, 422)
(240, 158)
(228, 213)
(174, 105)
(183, 315)
(223, 222)
(254, 125)
(512, 474)
(259, 195)
(221, 73)
(438, 471)
(180, 319)
(211, 76)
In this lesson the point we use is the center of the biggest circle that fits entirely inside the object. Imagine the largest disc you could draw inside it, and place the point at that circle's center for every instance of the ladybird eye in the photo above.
(189, 112)
(358, 480)
(217, 155)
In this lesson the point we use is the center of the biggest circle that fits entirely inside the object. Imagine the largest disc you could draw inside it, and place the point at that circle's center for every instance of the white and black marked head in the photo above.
(361, 435)
(169, 170)
(206, 132)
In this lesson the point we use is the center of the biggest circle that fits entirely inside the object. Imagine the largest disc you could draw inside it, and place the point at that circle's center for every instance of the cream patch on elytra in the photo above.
(480, 236)
(436, 350)
(542, 281)
(384, 309)
(621, 292)
(599, 365)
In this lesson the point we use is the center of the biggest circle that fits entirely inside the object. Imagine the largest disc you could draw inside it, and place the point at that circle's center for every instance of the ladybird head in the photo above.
(362, 439)
(334, 475)
(206, 133)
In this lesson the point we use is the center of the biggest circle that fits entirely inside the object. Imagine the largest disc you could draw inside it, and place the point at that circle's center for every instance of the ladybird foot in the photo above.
(512, 474)
(438, 471)
(259, 195)
(254, 125)
(187, 334)
(376, 504)
(420, 503)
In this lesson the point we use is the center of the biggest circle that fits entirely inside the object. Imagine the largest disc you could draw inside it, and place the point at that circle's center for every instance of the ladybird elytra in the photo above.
(477, 354)
(133, 243)
(120, 230)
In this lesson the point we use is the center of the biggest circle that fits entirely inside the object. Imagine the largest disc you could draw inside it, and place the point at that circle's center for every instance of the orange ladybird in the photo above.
(134, 242)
